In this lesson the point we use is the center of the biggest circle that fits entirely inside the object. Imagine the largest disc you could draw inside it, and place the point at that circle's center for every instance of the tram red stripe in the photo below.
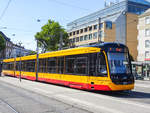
(70, 84)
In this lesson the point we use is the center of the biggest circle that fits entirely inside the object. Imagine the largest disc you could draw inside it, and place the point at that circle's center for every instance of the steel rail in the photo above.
(12, 108)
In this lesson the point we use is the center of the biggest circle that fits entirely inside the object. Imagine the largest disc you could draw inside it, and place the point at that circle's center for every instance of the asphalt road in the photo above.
(14, 99)
(35, 97)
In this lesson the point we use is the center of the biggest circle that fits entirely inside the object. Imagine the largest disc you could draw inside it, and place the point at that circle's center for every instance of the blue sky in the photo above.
(21, 16)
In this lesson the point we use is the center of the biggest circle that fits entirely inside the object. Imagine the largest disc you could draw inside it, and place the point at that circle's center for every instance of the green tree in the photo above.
(49, 36)
(2, 43)
(32, 52)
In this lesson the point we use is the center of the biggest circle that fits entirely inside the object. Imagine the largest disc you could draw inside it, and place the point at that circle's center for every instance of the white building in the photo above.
(12, 50)
(8, 49)
(18, 51)
(144, 37)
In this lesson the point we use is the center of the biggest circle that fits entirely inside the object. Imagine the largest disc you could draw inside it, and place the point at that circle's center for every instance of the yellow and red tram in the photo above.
(103, 66)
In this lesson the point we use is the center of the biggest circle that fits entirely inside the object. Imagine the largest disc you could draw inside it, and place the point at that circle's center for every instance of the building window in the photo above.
(95, 27)
(136, 10)
(95, 35)
(90, 36)
(90, 28)
(85, 29)
(147, 20)
(81, 38)
(71, 34)
(74, 33)
(78, 32)
(77, 39)
(108, 25)
(73, 40)
(81, 30)
(147, 43)
(147, 54)
(147, 32)
(70, 41)
(85, 37)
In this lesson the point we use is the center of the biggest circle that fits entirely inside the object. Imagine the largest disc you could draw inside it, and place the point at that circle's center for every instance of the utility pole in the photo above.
(37, 60)
(61, 41)
(20, 61)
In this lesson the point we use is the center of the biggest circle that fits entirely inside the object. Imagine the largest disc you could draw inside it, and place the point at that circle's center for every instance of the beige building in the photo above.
(93, 34)
(114, 23)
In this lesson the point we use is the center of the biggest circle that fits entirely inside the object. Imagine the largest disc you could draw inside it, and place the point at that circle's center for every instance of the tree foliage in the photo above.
(32, 52)
(2, 43)
(49, 36)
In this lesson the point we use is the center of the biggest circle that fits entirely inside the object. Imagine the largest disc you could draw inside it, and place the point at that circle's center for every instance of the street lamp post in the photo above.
(37, 61)
(20, 62)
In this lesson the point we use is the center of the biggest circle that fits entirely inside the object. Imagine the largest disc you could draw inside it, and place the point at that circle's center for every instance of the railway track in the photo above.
(8, 106)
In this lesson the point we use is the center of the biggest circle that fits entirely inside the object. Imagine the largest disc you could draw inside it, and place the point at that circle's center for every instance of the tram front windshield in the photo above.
(119, 63)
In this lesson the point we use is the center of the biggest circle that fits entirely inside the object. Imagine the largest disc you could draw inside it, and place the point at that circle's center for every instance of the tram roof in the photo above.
(107, 44)
(79, 50)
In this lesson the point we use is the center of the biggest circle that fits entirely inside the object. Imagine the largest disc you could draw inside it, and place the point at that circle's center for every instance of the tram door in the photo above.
(60, 65)
(97, 69)
(92, 64)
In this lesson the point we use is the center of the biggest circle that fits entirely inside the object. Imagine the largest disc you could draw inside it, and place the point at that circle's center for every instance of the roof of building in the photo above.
(146, 13)
(108, 13)
(5, 37)
(145, 2)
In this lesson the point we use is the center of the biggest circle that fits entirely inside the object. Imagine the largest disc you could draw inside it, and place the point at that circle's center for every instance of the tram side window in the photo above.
(92, 60)
(17, 66)
(81, 64)
(5, 66)
(12, 65)
(42, 65)
(101, 69)
(61, 65)
(51, 65)
(70, 64)
(76, 64)
(8, 66)
(30, 65)
(23, 66)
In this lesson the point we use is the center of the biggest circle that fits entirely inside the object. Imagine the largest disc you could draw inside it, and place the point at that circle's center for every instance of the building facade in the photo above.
(144, 37)
(6, 53)
(12, 50)
(18, 51)
(115, 23)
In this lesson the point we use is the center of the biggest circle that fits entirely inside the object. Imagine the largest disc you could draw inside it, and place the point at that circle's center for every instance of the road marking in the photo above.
(9, 106)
